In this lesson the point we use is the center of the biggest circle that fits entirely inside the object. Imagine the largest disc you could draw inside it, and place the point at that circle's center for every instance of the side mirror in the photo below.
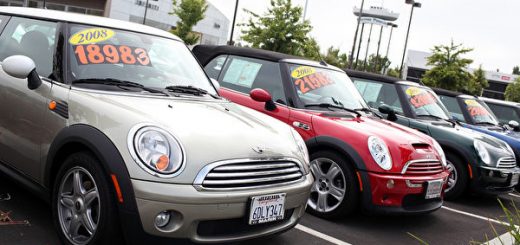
(215, 83)
(261, 95)
(22, 67)
(514, 124)
(389, 111)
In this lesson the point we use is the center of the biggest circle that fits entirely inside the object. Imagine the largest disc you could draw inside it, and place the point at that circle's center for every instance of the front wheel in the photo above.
(83, 208)
(458, 178)
(334, 191)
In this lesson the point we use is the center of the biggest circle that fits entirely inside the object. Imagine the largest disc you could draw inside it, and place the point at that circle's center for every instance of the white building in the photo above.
(213, 29)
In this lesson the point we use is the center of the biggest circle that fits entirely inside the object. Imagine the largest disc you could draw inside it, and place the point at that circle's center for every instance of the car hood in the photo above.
(510, 137)
(208, 130)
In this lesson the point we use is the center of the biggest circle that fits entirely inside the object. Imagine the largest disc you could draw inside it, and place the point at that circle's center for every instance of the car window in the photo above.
(479, 112)
(377, 94)
(504, 113)
(214, 68)
(245, 74)
(453, 107)
(32, 38)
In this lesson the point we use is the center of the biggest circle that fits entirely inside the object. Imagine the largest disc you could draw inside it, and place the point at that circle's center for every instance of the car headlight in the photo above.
(302, 147)
(439, 150)
(156, 151)
(482, 151)
(510, 150)
(380, 152)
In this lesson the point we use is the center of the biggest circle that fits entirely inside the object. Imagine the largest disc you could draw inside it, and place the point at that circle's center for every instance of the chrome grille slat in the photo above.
(239, 167)
(252, 174)
(422, 167)
(506, 162)
(250, 181)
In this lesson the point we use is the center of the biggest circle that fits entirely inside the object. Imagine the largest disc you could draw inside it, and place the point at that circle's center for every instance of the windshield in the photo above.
(323, 86)
(424, 102)
(154, 62)
(479, 112)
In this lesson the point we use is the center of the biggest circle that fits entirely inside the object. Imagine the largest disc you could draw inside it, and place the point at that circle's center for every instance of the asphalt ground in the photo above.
(466, 221)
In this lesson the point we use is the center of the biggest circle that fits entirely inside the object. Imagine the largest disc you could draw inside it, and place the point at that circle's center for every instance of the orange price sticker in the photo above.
(312, 82)
(111, 54)
(475, 111)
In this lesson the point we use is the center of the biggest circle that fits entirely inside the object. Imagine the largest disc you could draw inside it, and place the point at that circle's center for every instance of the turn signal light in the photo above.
(162, 163)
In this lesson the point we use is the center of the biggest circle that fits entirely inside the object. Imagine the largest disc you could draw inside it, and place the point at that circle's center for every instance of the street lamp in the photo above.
(392, 26)
(355, 35)
(414, 5)
(233, 25)
(145, 12)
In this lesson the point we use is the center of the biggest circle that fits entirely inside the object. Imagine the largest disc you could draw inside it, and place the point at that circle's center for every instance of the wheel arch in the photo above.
(460, 153)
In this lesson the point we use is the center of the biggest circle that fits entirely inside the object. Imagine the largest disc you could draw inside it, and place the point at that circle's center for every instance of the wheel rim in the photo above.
(78, 206)
(452, 178)
(329, 187)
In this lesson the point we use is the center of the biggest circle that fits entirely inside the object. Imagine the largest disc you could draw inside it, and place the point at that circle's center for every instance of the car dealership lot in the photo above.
(458, 222)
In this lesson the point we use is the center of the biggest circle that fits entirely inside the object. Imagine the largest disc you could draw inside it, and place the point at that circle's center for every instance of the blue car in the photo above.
(474, 113)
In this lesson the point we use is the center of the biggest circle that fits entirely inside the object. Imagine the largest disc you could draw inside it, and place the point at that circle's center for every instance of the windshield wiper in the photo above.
(433, 116)
(118, 83)
(327, 105)
(190, 90)
(485, 123)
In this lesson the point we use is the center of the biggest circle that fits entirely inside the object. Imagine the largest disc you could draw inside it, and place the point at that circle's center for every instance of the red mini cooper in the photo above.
(356, 157)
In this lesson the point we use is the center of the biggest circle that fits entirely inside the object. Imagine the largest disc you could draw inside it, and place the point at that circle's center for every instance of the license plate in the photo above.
(434, 189)
(514, 179)
(267, 208)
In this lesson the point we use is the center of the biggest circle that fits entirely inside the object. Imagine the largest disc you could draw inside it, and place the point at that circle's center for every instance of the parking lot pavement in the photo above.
(460, 222)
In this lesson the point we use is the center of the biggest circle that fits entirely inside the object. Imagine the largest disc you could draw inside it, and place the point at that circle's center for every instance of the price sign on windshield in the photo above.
(311, 81)
(111, 54)
(476, 109)
(420, 97)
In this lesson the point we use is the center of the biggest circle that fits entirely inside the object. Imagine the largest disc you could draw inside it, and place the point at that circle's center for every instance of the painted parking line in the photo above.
(514, 195)
(475, 216)
(503, 239)
(320, 235)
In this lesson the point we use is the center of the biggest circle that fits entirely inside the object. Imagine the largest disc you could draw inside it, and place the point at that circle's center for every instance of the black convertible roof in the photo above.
(372, 76)
(441, 91)
(205, 53)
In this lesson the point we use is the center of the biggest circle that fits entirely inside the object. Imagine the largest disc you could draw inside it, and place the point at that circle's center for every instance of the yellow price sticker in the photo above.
(92, 35)
(414, 91)
(472, 103)
(303, 71)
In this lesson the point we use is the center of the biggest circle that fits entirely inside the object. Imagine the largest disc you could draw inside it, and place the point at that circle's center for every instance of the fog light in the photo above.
(390, 184)
(162, 219)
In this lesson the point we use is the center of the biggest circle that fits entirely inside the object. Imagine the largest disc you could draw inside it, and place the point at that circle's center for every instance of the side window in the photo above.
(32, 38)
(245, 74)
(453, 107)
(377, 94)
(504, 113)
(215, 66)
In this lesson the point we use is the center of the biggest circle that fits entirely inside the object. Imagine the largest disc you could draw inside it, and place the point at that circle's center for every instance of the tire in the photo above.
(93, 212)
(461, 177)
(331, 173)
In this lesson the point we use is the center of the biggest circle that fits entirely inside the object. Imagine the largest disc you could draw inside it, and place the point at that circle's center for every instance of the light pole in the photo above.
(414, 5)
(355, 35)
(368, 46)
(392, 26)
(44, 3)
(378, 59)
(231, 42)
(305, 10)
(359, 46)
(145, 12)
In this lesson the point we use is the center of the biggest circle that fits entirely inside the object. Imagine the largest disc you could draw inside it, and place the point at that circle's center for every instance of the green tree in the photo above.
(394, 72)
(513, 91)
(335, 58)
(190, 12)
(516, 70)
(449, 67)
(377, 63)
(477, 83)
(280, 29)
(311, 49)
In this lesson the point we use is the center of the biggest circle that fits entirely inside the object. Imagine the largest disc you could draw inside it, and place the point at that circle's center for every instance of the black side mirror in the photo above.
(391, 116)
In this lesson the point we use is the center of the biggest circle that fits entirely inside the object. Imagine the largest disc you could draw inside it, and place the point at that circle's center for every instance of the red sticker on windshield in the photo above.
(312, 82)
(422, 99)
(475, 111)
(111, 54)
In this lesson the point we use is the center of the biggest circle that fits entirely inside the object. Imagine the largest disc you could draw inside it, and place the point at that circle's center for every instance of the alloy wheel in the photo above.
(453, 177)
(329, 187)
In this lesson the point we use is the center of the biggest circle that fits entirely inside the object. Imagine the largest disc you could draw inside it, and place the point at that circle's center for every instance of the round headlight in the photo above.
(380, 152)
(439, 150)
(482, 151)
(156, 151)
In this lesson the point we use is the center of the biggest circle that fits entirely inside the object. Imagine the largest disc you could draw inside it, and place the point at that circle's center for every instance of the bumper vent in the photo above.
(506, 162)
(423, 167)
(248, 174)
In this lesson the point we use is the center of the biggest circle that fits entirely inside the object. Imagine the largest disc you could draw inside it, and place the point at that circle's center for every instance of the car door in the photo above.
(239, 75)
(22, 110)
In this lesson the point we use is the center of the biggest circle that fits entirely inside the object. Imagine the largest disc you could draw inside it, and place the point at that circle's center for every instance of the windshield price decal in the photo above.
(92, 35)
(312, 82)
(413, 91)
(303, 71)
(475, 109)
(111, 54)
(422, 99)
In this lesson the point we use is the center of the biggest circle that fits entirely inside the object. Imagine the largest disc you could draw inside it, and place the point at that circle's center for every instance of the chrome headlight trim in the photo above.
(132, 141)
(380, 152)
(439, 150)
(482, 151)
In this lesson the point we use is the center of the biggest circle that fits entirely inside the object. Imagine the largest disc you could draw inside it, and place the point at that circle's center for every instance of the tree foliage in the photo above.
(280, 29)
(335, 58)
(394, 72)
(190, 12)
(513, 91)
(449, 67)
(477, 83)
(516, 70)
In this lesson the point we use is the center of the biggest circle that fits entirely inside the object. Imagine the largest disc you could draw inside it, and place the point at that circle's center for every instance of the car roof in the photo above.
(206, 53)
(84, 19)
(379, 77)
(500, 102)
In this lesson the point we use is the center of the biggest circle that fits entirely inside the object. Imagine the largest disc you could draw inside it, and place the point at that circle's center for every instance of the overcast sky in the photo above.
(491, 27)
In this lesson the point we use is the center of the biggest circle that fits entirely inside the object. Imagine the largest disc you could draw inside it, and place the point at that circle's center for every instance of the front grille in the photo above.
(423, 167)
(250, 174)
(506, 162)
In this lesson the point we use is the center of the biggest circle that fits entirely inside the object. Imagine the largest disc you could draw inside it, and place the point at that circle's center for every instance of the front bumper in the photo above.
(407, 196)
(495, 180)
(214, 216)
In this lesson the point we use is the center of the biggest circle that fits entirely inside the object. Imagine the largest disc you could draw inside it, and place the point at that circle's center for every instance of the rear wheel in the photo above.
(458, 178)
(334, 191)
